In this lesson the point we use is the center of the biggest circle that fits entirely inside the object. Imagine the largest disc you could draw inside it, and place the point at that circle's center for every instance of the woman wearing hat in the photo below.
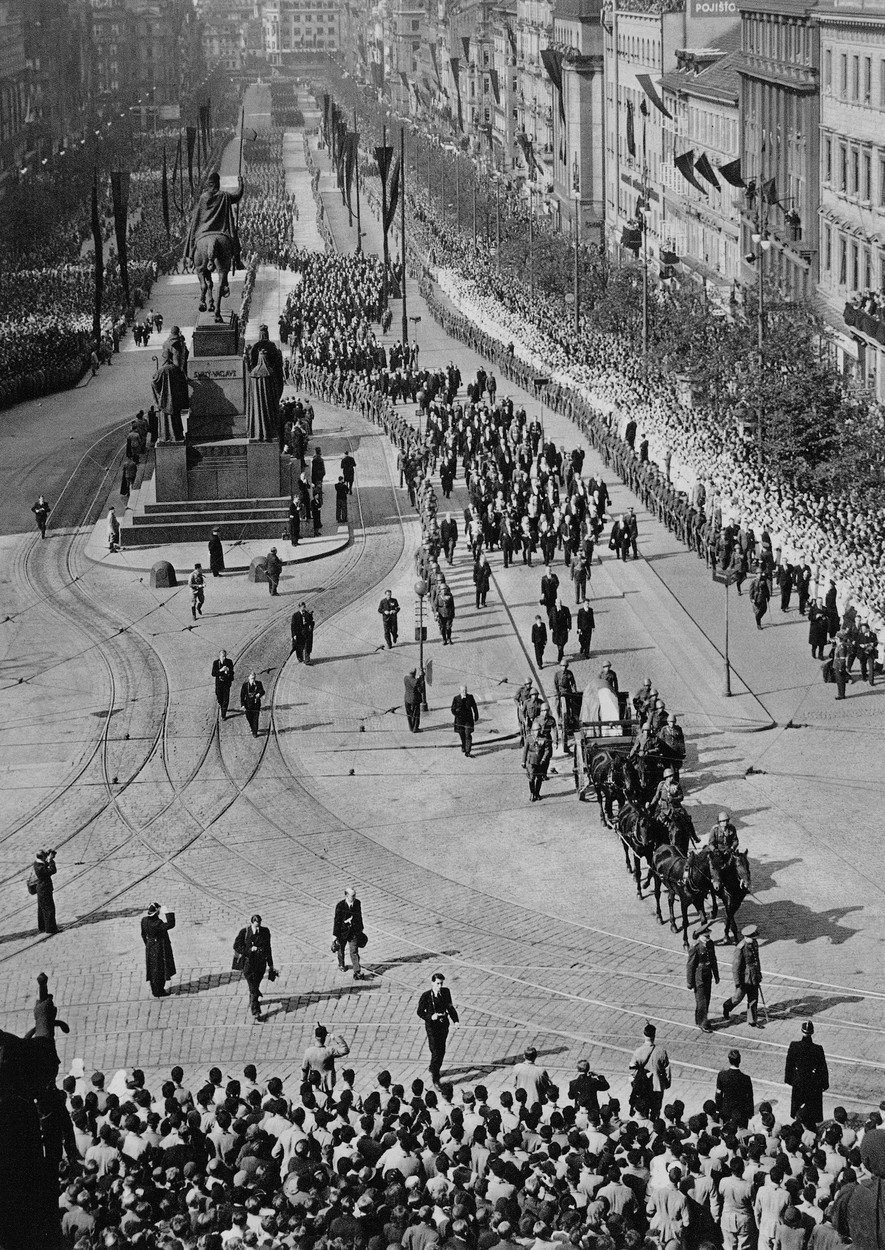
(158, 957)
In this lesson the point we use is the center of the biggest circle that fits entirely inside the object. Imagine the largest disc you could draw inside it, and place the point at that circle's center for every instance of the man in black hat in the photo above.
(746, 970)
(436, 1009)
(807, 1075)
(701, 971)
(158, 957)
(273, 567)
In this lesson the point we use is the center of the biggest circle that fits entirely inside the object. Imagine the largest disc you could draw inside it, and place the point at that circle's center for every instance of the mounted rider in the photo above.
(214, 220)
(667, 798)
(671, 744)
(723, 837)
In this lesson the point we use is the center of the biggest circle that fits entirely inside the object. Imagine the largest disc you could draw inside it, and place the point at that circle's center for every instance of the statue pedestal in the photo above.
(171, 471)
(213, 338)
(263, 470)
(218, 400)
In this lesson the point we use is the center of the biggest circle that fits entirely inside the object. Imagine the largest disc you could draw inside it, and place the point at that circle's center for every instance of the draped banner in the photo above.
(705, 169)
(732, 173)
(650, 90)
(191, 144)
(120, 198)
(552, 59)
(435, 63)
(631, 132)
(204, 131)
(511, 39)
(392, 198)
(165, 194)
(685, 165)
(383, 157)
(465, 44)
(178, 173)
(455, 64)
(327, 104)
(496, 85)
(98, 244)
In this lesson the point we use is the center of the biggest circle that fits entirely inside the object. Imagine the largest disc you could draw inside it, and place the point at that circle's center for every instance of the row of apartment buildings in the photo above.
(606, 107)
(68, 65)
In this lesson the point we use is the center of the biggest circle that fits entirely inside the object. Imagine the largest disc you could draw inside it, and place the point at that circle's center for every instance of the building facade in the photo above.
(702, 217)
(780, 140)
(852, 184)
(578, 143)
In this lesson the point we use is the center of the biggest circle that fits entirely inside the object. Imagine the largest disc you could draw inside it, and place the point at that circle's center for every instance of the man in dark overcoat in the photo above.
(701, 971)
(253, 951)
(158, 958)
(807, 1075)
(347, 930)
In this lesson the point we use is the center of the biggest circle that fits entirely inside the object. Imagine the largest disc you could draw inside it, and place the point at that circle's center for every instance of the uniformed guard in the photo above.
(702, 970)
(746, 971)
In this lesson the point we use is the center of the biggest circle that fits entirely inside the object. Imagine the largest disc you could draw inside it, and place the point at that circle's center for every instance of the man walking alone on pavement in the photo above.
(746, 971)
(223, 673)
(466, 715)
(198, 590)
(347, 930)
(436, 1009)
(251, 694)
(389, 609)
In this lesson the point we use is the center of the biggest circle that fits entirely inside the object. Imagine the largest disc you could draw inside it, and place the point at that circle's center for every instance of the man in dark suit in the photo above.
(436, 1009)
(585, 1088)
(549, 592)
(734, 1092)
(413, 698)
(586, 624)
(302, 633)
(701, 971)
(347, 930)
(44, 870)
(158, 958)
(539, 640)
(223, 673)
(251, 694)
(807, 1075)
(253, 951)
(466, 715)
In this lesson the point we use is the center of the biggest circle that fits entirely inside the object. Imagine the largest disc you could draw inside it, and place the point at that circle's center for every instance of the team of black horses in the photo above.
(657, 831)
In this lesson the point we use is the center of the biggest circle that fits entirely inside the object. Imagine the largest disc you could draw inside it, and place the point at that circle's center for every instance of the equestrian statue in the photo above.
(212, 243)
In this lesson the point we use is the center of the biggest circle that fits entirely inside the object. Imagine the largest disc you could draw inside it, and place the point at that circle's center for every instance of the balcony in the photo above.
(872, 324)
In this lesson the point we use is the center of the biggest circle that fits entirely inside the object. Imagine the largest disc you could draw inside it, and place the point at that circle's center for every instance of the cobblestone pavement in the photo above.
(112, 752)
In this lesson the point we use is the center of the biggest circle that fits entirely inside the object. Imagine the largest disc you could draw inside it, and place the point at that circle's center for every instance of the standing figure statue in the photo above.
(170, 390)
(212, 243)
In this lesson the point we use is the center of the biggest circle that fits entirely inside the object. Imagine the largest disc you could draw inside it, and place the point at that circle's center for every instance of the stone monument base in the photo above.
(218, 398)
(263, 469)
(213, 338)
(171, 471)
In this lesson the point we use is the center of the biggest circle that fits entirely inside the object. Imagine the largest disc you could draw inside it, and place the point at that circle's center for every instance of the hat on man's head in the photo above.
(808, 1028)
(749, 930)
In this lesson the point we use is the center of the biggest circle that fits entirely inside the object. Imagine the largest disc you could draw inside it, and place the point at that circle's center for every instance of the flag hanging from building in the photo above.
(705, 169)
(191, 144)
(769, 191)
(204, 131)
(177, 172)
(496, 85)
(120, 199)
(631, 133)
(351, 149)
(433, 58)
(552, 60)
(732, 173)
(650, 90)
(98, 245)
(164, 191)
(511, 39)
(685, 165)
(465, 44)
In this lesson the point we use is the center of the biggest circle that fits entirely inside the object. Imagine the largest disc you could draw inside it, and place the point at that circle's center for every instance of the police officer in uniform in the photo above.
(807, 1075)
(746, 970)
(701, 971)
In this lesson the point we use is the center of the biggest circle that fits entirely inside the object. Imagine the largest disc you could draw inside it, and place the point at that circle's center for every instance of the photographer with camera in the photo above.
(40, 884)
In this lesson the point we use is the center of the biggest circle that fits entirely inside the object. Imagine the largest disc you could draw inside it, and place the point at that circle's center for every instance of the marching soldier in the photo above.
(702, 970)
(746, 970)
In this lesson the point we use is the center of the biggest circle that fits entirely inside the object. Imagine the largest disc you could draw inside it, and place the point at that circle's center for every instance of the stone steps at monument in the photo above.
(193, 521)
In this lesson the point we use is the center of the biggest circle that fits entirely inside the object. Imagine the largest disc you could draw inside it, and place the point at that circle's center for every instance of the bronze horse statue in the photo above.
(212, 243)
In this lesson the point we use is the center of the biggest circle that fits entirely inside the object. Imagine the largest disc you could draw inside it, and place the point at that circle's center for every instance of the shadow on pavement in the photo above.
(94, 917)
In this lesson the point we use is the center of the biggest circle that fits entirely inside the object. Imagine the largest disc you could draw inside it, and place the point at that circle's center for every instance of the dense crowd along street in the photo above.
(503, 1045)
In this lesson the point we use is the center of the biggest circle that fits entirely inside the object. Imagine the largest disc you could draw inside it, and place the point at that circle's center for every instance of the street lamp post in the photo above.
(421, 631)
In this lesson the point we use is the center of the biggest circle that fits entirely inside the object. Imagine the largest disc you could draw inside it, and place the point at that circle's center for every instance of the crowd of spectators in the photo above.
(215, 1163)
